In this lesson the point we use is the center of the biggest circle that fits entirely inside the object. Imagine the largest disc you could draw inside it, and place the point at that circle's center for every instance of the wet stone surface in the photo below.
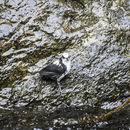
(34, 33)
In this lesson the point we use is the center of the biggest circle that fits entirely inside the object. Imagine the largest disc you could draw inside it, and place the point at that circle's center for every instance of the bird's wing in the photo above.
(51, 75)
(52, 69)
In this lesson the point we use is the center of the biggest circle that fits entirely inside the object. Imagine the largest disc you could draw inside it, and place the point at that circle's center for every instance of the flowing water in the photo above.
(96, 92)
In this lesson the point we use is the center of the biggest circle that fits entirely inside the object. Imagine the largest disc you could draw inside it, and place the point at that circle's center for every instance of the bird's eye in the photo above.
(63, 57)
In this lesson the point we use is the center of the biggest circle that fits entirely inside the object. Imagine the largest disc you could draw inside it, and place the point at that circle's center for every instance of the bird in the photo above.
(57, 70)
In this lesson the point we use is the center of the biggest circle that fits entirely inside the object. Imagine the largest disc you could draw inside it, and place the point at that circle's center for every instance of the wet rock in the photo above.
(33, 33)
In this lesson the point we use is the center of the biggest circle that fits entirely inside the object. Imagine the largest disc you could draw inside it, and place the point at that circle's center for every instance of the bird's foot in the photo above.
(60, 91)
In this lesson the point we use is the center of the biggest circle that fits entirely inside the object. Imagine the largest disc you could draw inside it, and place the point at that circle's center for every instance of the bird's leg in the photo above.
(58, 83)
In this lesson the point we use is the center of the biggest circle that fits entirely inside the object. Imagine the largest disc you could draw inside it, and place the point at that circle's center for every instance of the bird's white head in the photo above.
(65, 55)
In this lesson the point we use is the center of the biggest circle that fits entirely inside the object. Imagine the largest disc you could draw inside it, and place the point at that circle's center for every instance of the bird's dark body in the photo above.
(53, 71)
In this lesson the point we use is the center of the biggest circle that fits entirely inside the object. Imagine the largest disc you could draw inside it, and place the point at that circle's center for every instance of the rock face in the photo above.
(96, 34)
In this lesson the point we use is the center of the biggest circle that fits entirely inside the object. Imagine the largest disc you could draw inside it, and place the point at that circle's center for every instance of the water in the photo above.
(96, 34)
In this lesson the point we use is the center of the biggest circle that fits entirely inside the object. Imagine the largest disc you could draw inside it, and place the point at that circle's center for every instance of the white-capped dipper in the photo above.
(57, 69)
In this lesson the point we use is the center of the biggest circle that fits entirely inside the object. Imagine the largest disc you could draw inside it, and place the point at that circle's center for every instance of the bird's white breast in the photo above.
(67, 64)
